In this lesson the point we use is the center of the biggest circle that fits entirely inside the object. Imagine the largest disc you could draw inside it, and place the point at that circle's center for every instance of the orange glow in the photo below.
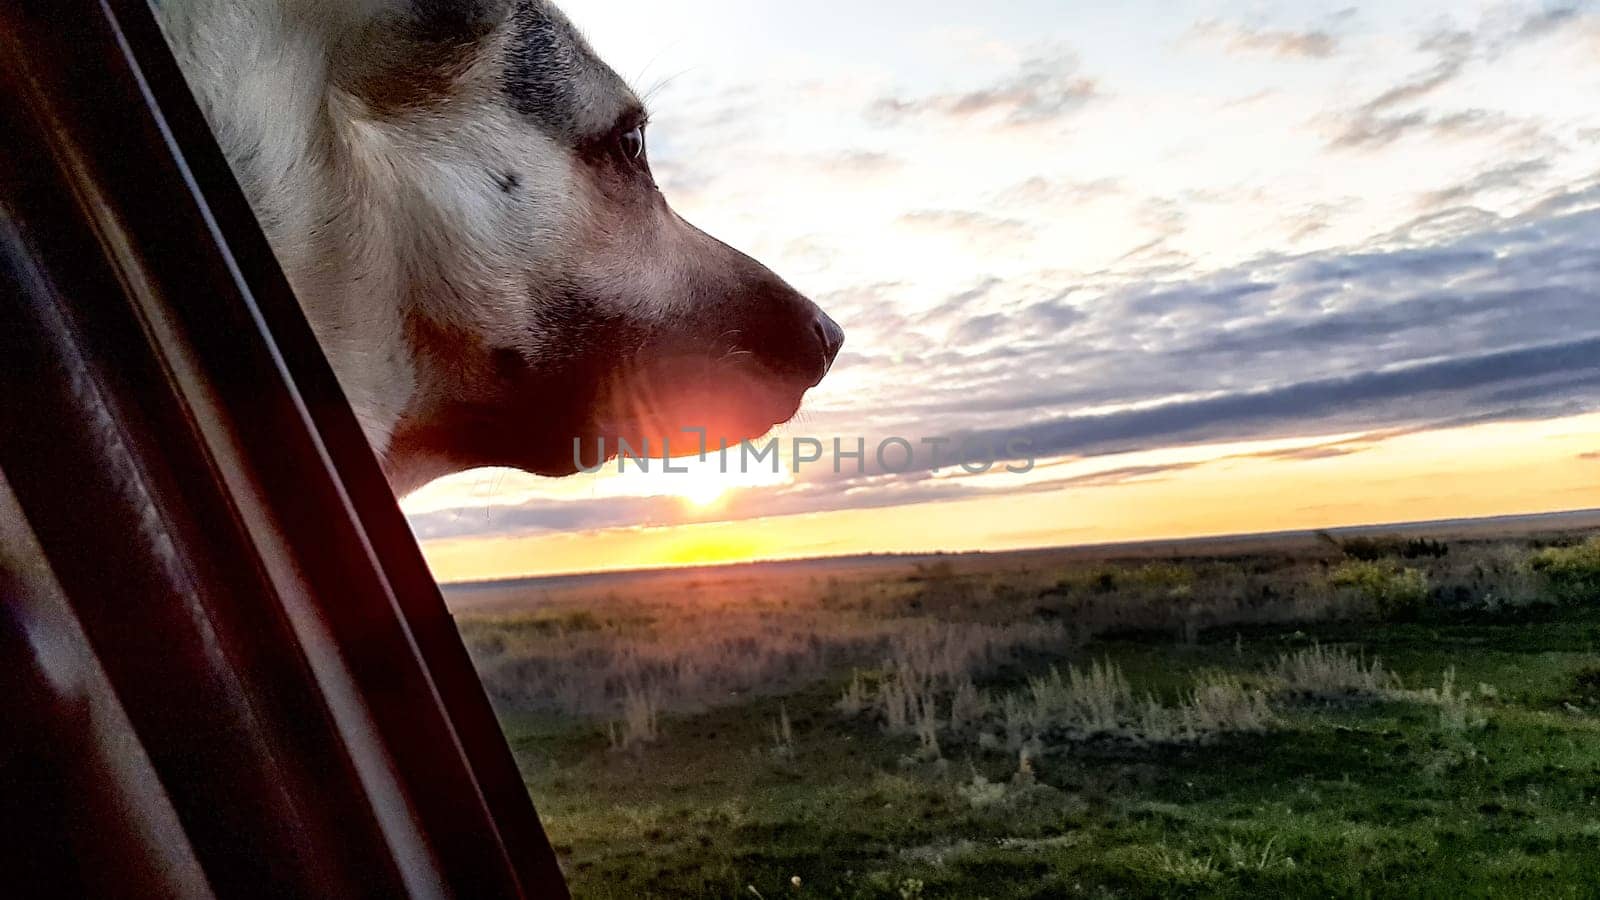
(1485, 470)
(701, 490)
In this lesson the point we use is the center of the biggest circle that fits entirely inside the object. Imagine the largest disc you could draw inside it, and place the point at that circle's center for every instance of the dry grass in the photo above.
(783, 733)
(1096, 700)
(641, 719)
(927, 665)
(1326, 673)
(630, 661)
(1089, 704)
(855, 697)
(1220, 703)
(923, 635)
(969, 707)
(1457, 711)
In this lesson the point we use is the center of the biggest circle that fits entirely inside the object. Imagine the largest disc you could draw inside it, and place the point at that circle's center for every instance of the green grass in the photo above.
(1438, 735)
(1347, 800)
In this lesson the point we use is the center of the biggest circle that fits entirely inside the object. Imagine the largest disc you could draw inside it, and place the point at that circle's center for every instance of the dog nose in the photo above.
(831, 337)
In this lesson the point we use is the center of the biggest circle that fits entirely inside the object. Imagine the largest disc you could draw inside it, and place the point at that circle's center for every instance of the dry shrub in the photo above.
(946, 653)
(932, 663)
(1324, 673)
(1094, 701)
(1372, 549)
(1456, 711)
(1217, 705)
(1098, 703)
(1221, 703)
(783, 733)
(641, 719)
(855, 699)
(694, 655)
(1494, 578)
(1187, 600)
(926, 724)
(1572, 574)
(969, 706)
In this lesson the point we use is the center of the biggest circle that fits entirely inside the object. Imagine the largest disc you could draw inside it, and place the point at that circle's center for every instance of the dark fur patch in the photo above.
(454, 21)
(551, 74)
(543, 67)
(412, 56)
(508, 181)
(422, 75)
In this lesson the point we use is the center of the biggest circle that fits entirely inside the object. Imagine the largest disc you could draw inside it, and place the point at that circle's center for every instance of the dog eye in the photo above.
(631, 144)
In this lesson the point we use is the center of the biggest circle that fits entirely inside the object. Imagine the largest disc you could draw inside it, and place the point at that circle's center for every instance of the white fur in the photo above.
(401, 234)
(371, 216)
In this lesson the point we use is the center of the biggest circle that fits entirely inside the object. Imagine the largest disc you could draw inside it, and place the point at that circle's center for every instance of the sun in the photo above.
(699, 488)
(696, 485)
(703, 495)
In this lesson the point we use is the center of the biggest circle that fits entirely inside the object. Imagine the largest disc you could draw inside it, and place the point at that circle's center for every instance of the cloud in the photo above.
(960, 303)
(1121, 476)
(545, 515)
(1042, 191)
(1453, 49)
(1547, 22)
(1042, 89)
(1368, 131)
(1314, 219)
(1203, 298)
(1376, 122)
(1595, 456)
(1392, 115)
(1440, 390)
(979, 329)
(1484, 285)
(1307, 454)
(966, 222)
(809, 496)
(860, 162)
(1495, 323)
(681, 180)
(1053, 315)
(1285, 44)
(1331, 449)
(1502, 177)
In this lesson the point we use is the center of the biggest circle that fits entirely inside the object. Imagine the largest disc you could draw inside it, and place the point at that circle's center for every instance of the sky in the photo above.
(1219, 267)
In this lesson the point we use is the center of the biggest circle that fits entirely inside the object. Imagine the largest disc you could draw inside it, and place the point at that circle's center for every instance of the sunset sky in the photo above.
(1224, 266)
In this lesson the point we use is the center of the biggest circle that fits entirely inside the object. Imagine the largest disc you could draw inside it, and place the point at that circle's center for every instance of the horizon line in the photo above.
(1100, 545)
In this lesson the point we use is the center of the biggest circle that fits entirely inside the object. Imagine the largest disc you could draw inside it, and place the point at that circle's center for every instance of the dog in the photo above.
(460, 193)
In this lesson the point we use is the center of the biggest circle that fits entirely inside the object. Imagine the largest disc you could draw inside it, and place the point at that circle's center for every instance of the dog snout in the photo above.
(831, 338)
(788, 337)
(803, 345)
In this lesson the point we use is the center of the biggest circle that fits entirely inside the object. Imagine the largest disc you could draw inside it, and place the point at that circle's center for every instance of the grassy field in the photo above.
(1340, 717)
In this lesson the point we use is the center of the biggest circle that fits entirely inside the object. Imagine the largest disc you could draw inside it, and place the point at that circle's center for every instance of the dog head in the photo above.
(549, 296)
